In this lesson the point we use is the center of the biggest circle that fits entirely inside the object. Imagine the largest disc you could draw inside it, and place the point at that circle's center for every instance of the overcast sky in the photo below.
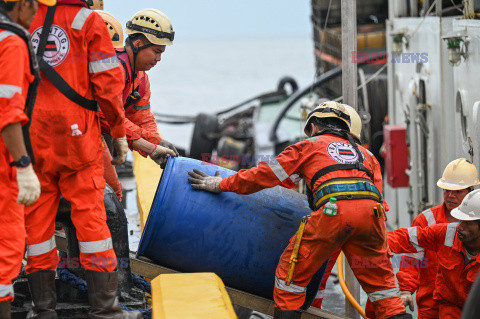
(196, 19)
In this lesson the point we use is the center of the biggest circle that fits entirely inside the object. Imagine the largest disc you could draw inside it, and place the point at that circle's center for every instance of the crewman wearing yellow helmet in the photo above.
(345, 186)
(459, 178)
(18, 182)
(149, 32)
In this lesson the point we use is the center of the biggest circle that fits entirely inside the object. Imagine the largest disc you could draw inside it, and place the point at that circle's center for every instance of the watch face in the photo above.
(24, 161)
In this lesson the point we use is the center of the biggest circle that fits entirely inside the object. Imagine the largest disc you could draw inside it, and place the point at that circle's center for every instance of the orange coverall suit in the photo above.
(66, 137)
(454, 279)
(419, 270)
(139, 120)
(15, 78)
(355, 228)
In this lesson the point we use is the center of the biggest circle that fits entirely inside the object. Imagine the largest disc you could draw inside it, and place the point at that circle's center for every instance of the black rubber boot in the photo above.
(44, 294)
(102, 297)
(402, 316)
(286, 314)
(5, 310)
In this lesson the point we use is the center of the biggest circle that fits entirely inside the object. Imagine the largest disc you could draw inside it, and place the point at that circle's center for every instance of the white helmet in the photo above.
(469, 209)
(459, 174)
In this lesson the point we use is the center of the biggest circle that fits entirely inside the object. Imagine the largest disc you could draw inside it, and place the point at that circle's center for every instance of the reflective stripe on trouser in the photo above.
(362, 237)
(84, 190)
(12, 230)
(321, 290)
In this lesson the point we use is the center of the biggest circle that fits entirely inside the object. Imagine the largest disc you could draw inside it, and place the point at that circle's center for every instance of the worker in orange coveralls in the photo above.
(457, 246)
(356, 131)
(149, 32)
(19, 183)
(80, 72)
(334, 166)
(418, 270)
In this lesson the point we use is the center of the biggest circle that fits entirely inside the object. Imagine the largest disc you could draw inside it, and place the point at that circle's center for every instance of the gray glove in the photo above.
(407, 299)
(160, 155)
(120, 149)
(169, 145)
(202, 181)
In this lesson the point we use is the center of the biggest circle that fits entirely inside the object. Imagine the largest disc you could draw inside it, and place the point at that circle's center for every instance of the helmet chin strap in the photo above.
(135, 51)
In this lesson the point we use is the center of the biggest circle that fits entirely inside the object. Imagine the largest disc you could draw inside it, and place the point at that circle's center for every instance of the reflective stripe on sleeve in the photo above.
(278, 171)
(450, 234)
(91, 247)
(383, 294)
(280, 284)
(429, 217)
(6, 290)
(420, 255)
(103, 65)
(80, 18)
(42, 248)
(7, 91)
(5, 34)
(412, 235)
(141, 107)
(295, 178)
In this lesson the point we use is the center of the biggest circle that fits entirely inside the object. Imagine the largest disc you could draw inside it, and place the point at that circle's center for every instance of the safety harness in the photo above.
(7, 24)
(139, 90)
(343, 187)
(53, 75)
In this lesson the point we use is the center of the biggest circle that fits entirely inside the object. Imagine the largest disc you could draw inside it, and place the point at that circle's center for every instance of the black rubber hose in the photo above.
(299, 94)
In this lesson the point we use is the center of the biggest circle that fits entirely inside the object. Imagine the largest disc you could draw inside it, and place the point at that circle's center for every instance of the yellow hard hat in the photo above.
(95, 4)
(329, 109)
(114, 27)
(45, 2)
(152, 23)
(459, 174)
(355, 121)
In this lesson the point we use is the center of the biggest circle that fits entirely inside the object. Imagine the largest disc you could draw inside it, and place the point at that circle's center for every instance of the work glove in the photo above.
(160, 155)
(202, 181)
(120, 149)
(407, 299)
(28, 186)
(169, 145)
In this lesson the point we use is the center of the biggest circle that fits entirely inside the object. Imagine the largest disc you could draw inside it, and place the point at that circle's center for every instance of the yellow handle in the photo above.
(296, 248)
(347, 293)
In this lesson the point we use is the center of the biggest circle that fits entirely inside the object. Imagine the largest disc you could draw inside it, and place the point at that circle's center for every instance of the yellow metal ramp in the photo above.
(147, 176)
(190, 296)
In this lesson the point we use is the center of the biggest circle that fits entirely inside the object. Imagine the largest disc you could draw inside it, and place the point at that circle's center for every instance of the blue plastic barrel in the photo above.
(238, 237)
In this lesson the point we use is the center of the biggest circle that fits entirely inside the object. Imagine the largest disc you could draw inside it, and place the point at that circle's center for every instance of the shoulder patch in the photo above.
(342, 153)
(58, 45)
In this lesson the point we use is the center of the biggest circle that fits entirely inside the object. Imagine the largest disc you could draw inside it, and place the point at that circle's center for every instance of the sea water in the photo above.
(207, 76)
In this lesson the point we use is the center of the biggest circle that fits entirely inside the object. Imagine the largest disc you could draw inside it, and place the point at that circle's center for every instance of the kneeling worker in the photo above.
(331, 159)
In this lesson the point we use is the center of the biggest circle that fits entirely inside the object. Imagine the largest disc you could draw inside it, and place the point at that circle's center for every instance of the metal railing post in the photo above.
(349, 88)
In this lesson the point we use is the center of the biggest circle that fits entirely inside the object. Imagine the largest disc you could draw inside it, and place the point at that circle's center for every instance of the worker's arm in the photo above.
(15, 67)
(416, 239)
(248, 181)
(105, 74)
(409, 274)
(267, 174)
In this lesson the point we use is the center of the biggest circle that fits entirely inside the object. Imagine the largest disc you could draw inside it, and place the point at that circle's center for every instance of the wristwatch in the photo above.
(23, 161)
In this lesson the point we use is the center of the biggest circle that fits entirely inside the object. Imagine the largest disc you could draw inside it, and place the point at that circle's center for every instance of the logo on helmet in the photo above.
(58, 45)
